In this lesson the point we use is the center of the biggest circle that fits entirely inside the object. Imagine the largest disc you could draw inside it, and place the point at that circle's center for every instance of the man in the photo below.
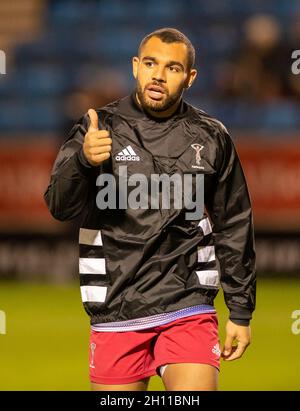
(149, 276)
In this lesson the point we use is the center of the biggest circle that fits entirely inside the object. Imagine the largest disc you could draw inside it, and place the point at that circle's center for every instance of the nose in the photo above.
(159, 74)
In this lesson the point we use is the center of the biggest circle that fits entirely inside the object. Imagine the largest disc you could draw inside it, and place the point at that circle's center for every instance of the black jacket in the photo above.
(140, 262)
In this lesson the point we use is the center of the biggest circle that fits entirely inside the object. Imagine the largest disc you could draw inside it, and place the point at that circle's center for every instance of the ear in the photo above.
(190, 78)
(135, 63)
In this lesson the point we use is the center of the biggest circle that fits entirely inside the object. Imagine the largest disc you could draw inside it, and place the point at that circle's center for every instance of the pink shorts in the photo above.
(125, 357)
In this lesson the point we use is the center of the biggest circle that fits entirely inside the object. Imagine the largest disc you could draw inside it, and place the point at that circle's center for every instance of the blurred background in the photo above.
(63, 57)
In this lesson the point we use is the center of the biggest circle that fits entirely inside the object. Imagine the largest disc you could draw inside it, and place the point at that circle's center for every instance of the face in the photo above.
(161, 74)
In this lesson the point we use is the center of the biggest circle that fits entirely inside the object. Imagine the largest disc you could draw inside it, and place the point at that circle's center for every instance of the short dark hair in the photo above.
(170, 35)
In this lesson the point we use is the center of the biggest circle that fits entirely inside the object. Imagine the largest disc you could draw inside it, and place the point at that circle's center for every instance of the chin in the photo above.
(154, 106)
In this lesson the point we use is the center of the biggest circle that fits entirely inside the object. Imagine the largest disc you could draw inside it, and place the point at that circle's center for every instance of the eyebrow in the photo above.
(169, 63)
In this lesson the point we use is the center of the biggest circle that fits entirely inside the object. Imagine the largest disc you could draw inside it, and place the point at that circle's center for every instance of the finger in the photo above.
(102, 134)
(99, 142)
(98, 134)
(94, 121)
(100, 150)
(227, 346)
(221, 346)
(98, 158)
(237, 352)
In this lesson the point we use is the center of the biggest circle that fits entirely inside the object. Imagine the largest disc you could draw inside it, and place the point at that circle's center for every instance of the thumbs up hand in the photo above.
(97, 143)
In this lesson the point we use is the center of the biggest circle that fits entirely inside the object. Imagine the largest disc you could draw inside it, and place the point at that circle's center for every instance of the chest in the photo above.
(167, 148)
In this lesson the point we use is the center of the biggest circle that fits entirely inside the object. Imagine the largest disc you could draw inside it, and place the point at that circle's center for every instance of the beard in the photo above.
(157, 105)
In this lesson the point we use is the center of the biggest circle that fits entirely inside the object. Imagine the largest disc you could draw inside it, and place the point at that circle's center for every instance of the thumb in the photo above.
(94, 121)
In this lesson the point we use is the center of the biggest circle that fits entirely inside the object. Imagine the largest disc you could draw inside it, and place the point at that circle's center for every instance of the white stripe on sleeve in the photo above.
(90, 237)
(93, 293)
(206, 254)
(92, 266)
(205, 225)
(209, 277)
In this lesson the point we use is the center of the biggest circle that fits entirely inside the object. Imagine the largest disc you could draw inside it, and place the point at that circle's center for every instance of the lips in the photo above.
(156, 88)
(155, 92)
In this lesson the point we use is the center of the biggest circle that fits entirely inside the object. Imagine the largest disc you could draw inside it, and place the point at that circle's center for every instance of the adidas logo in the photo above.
(216, 350)
(127, 154)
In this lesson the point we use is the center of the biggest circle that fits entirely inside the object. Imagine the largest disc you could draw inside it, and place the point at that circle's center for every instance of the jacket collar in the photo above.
(129, 106)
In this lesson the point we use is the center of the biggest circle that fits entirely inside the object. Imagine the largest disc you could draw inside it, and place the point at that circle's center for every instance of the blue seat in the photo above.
(38, 115)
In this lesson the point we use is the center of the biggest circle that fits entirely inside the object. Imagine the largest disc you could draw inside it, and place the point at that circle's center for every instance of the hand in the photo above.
(240, 333)
(97, 143)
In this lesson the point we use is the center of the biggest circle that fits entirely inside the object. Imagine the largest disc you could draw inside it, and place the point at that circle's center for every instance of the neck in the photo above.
(160, 114)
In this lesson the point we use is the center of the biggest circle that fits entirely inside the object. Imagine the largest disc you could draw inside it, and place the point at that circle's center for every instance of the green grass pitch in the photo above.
(46, 343)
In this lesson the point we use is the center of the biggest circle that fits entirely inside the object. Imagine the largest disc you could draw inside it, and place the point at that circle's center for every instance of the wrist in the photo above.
(82, 159)
(243, 322)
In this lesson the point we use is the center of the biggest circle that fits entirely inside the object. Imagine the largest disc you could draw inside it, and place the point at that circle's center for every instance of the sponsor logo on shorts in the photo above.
(216, 350)
(93, 347)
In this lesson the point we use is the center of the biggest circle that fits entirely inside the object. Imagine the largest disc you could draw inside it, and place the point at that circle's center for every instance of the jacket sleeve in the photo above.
(231, 215)
(71, 177)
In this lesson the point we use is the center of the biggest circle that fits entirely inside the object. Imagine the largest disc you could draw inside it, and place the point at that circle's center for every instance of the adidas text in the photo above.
(128, 158)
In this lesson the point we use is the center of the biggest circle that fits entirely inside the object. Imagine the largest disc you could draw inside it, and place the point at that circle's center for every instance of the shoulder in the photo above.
(105, 113)
(205, 120)
(216, 130)
(110, 108)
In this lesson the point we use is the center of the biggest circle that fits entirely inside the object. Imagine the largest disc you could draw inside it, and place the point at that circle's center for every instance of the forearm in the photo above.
(236, 255)
(231, 214)
(69, 187)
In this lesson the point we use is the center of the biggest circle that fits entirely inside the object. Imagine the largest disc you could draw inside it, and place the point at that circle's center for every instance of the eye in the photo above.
(174, 69)
(148, 63)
